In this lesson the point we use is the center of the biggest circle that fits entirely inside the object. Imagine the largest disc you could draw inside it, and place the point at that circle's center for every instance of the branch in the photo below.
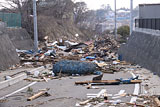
(6, 8)
(8, 3)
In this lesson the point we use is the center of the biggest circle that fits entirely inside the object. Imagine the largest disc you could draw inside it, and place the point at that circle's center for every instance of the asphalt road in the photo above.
(63, 92)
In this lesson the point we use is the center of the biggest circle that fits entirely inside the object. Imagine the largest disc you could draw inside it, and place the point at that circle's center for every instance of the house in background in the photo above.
(149, 16)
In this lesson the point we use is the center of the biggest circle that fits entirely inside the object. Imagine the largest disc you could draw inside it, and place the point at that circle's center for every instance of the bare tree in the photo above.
(80, 10)
(56, 8)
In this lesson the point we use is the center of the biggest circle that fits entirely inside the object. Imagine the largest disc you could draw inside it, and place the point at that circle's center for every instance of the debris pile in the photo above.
(103, 49)
(104, 98)
(69, 58)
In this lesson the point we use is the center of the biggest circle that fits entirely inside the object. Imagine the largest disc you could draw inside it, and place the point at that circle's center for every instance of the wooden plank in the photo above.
(33, 79)
(107, 82)
(97, 81)
(136, 81)
(36, 95)
(85, 102)
(134, 104)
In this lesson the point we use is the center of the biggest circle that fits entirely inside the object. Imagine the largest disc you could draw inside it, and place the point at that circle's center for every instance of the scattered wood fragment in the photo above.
(107, 82)
(99, 81)
(46, 89)
(135, 81)
(37, 95)
(53, 78)
(108, 71)
(134, 104)
(157, 102)
(45, 79)
(17, 73)
(38, 80)
(85, 102)
(3, 100)
(102, 93)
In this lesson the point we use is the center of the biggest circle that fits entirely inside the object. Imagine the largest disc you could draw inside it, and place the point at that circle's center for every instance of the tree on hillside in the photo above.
(56, 8)
(124, 32)
(80, 10)
(102, 13)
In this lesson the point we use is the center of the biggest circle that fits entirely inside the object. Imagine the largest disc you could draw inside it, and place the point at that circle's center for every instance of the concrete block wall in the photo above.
(20, 38)
(143, 49)
(8, 54)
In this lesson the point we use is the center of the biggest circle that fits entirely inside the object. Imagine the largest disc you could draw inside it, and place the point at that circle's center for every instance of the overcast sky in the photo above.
(95, 4)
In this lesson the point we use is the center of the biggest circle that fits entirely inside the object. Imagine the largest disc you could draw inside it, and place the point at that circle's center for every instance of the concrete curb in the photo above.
(37, 69)
(12, 81)
(18, 78)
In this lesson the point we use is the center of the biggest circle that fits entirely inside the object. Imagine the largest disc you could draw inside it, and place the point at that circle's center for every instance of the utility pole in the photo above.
(131, 16)
(35, 27)
(115, 19)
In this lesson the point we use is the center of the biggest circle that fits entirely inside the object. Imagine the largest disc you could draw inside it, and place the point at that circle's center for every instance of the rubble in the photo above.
(81, 58)
(104, 98)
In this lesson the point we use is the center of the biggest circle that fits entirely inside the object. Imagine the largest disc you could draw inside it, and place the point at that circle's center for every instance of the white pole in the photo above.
(35, 27)
(131, 16)
(115, 19)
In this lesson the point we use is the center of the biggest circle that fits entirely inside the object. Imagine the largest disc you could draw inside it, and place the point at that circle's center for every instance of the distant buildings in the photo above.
(123, 17)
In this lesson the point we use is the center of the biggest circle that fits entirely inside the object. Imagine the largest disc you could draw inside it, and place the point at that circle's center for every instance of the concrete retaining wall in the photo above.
(20, 38)
(8, 54)
(143, 49)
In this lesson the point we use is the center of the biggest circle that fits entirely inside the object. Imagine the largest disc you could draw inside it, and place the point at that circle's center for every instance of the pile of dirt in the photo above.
(8, 54)
(56, 19)
(20, 38)
(55, 28)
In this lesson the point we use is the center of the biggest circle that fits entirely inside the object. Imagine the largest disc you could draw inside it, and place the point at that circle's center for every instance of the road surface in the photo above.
(64, 93)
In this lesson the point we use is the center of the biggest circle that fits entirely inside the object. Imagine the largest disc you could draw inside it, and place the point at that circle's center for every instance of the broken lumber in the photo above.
(85, 102)
(36, 95)
(107, 82)
(98, 81)
(135, 81)
(45, 79)
(157, 102)
(134, 104)
(34, 79)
